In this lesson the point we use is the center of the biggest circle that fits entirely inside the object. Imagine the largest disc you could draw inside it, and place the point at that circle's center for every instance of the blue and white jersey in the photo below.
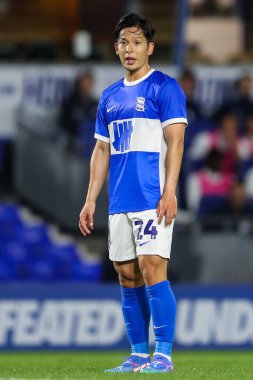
(131, 117)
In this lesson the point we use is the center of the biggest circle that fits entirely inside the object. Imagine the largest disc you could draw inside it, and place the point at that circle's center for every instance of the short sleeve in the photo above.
(172, 103)
(101, 128)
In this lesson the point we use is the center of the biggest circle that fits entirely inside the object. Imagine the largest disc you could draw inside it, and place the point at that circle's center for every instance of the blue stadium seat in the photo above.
(7, 274)
(14, 251)
(8, 211)
(10, 222)
(63, 257)
(42, 271)
(28, 253)
(13, 256)
(64, 252)
(88, 272)
(37, 241)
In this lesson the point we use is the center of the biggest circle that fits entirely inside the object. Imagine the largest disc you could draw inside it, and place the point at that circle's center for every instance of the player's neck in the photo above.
(132, 76)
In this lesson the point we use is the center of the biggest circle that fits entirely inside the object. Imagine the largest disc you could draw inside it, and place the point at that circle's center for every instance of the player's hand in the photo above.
(86, 218)
(167, 207)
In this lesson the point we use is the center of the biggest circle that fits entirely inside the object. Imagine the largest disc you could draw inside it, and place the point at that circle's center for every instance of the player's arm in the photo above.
(99, 166)
(167, 206)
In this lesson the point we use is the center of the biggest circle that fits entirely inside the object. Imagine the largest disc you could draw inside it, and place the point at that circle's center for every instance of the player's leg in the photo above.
(135, 304)
(153, 243)
(163, 309)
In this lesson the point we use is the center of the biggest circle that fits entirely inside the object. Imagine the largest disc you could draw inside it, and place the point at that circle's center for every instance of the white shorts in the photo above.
(138, 233)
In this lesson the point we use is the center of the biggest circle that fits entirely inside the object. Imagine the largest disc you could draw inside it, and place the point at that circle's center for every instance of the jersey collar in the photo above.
(126, 83)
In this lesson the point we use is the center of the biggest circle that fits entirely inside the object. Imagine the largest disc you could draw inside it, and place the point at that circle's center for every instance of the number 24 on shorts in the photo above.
(148, 229)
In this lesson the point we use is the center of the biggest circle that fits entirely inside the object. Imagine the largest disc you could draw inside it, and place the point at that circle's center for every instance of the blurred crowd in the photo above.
(217, 174)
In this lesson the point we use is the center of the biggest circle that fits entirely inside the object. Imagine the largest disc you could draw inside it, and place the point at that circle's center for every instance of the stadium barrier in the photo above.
(77, 316)
(53, 179)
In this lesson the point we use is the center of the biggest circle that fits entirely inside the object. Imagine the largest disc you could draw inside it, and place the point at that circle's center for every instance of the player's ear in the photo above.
(151, 48)
(116, 48)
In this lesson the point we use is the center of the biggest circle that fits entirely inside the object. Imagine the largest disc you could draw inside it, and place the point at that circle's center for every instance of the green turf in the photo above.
(70, 366)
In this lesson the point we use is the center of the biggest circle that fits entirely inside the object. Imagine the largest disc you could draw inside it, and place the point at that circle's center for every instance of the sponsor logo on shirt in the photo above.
(140, 103)
(122, 135)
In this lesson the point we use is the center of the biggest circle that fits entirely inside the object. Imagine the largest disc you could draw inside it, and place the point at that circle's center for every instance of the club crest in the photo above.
(140, 103)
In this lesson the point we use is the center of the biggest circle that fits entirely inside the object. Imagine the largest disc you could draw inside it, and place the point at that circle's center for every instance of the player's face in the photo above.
(133, 50)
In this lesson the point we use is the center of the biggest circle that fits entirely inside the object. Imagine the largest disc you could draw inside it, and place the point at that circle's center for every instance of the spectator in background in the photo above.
(188, 83)
(238, 201)
(242, 105)
(224, 139)
(78, 115)
(6, 166)
(245, 146)
(208, 189)
(249, 187)
(238, 210)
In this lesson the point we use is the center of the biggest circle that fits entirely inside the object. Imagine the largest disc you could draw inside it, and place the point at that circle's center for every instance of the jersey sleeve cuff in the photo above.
(102, 138)
(174, 121)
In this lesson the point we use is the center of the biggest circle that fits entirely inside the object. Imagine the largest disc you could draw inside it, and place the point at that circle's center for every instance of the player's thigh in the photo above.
(151, 238)
(121, 242)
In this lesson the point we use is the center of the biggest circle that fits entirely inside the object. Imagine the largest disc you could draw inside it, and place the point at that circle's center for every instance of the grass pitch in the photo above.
(90, 366)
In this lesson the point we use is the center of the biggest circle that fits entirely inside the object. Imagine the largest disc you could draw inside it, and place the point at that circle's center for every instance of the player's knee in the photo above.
(149, 263)
(153, 268)
(129, 273)
(130, 283)
(128, 278)
(149, 272)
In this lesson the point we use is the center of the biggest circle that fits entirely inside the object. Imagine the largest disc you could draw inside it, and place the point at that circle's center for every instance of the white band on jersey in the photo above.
(174, 121)
(102, 138)
(146, 136)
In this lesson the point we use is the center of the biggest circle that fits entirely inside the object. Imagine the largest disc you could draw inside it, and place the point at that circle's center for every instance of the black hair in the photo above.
(214, 159)
(132, 19)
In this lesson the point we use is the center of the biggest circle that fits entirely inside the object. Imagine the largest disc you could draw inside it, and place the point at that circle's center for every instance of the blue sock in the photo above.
(163, 310)
(136, 312)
